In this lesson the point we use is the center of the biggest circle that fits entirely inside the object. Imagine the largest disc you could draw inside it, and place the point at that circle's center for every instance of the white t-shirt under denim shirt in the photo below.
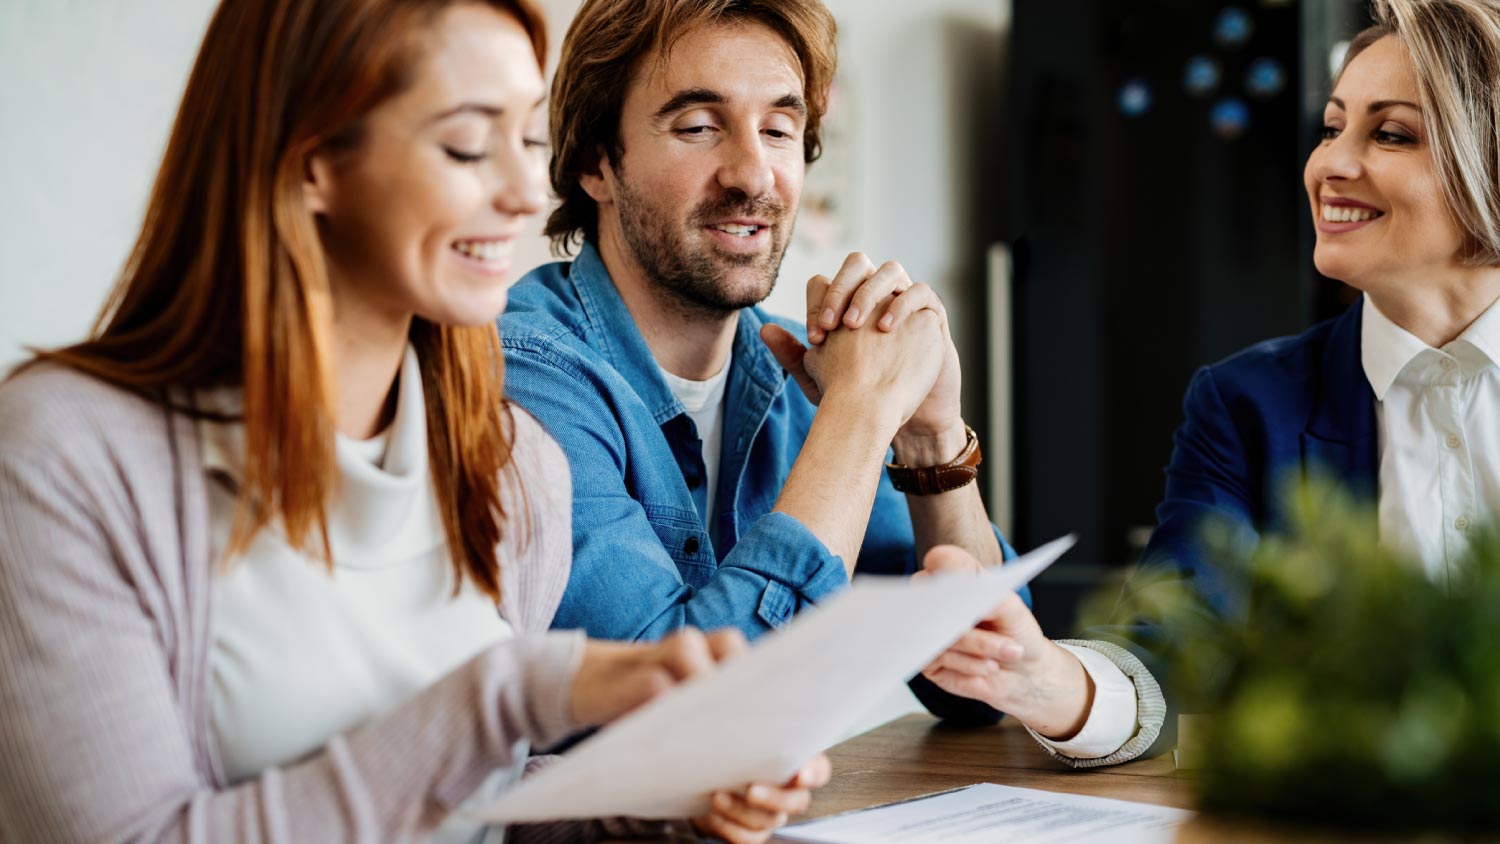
(1439, 446)
(299, 653)
(704, 403)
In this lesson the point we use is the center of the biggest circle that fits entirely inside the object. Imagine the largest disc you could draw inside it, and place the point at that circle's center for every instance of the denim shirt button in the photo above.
(691, 546)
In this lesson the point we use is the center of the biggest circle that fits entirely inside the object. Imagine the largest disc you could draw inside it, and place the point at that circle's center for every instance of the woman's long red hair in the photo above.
(227, 283)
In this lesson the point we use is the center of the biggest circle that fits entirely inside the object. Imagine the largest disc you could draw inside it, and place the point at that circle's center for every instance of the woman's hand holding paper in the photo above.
(1007, 662)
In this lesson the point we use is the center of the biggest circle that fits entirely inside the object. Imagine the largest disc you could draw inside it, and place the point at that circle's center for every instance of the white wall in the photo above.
(88, 90)
(924, 80)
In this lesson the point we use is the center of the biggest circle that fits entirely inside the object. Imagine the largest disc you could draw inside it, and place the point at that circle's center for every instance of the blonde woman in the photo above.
(1397, 398)
(276, 555)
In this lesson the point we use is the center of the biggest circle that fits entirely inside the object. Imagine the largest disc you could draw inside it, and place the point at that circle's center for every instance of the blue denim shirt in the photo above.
(645, 563)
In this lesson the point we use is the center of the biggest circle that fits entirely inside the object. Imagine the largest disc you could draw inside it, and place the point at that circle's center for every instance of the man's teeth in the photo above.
(736, 229)
(484, 250)
(1346, 214)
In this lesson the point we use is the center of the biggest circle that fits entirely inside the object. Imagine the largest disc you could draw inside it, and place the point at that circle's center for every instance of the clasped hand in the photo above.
(876, 334)
(616, 677)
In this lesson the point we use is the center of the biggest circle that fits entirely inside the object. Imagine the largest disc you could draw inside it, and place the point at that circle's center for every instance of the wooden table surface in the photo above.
(915, 755)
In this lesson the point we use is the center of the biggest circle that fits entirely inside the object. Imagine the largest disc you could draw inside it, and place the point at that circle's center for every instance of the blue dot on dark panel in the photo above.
(1200, 76)
(1230, 118)
(1265, 79)
(1135, 98)
(1233, 27)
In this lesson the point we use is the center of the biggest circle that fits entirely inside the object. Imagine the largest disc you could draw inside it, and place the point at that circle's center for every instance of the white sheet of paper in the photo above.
(987, 813)
(762, 715)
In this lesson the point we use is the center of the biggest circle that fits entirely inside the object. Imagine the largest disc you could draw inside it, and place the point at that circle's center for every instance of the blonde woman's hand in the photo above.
(616, 677)
(1007, 661)
(752, 814)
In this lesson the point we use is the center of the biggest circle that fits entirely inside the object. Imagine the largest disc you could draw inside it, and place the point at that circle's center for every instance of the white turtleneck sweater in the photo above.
(301, 653)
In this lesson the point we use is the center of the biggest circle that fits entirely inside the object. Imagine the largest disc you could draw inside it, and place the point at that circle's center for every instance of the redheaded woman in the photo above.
(255, 531)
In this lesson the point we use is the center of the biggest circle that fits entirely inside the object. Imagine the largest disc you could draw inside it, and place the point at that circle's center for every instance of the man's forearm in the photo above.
(831, 488)
(956, 517)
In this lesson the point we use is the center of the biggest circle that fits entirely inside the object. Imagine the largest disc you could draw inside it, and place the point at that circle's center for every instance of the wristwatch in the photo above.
(944, 477)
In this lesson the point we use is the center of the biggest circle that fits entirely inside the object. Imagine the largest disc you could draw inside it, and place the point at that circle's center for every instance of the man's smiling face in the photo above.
(703, 192)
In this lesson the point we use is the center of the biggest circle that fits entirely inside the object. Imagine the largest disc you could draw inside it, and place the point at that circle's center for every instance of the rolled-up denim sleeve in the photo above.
(626, 586)
(797, 568)
(625, 583)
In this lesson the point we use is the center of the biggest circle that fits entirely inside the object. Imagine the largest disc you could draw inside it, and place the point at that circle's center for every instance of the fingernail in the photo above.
(885, 321)
(1012, 652)
(828, 317)
(852, 316)
(757, 792)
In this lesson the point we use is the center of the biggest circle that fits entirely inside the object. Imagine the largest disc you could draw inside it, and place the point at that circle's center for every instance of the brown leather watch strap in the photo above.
(945, 477)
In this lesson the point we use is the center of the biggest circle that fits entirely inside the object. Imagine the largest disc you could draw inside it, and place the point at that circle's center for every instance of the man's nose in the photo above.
(746, 167)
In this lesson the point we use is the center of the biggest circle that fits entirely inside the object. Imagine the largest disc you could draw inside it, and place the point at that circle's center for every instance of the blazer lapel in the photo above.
(1340, 437)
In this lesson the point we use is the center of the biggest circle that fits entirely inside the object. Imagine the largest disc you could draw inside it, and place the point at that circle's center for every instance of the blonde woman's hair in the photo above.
(1455, 51)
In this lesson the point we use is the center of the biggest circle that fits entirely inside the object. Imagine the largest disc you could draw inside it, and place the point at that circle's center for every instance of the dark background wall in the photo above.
(1157, 223)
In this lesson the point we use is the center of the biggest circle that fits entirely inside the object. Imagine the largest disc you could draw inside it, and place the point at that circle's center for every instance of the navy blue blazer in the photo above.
(1285, 407)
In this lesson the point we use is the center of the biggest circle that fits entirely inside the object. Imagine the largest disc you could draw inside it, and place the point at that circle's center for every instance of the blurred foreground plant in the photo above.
(1346, 685)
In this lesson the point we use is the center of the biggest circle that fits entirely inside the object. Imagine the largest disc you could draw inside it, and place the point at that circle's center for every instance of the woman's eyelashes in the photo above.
(1394, 137)
(475, 153)
(1386, 136)
(465, 157)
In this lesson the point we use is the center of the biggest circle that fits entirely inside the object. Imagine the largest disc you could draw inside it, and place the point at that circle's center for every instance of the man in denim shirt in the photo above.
(710, 490)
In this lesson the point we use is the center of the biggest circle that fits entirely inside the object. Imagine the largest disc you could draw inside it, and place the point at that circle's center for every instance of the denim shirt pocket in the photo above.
(777, 603)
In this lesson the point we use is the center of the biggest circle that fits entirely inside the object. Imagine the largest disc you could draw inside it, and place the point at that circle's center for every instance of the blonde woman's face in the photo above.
(1376, 201)
(422, 216)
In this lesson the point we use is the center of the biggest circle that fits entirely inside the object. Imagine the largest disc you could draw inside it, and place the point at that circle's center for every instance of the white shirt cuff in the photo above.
(1112, 720)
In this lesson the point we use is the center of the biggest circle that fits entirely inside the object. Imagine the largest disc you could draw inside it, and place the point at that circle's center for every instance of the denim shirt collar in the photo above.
(614, 333)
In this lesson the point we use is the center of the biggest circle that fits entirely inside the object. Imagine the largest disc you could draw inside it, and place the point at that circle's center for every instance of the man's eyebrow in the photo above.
(707, 96)
(793, 102)
(688, 98)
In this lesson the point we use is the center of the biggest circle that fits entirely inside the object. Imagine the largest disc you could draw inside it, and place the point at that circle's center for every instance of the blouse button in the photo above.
(1462, 523)
(1453, 441)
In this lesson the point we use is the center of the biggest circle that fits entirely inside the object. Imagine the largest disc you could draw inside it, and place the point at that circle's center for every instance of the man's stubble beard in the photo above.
(696, 281)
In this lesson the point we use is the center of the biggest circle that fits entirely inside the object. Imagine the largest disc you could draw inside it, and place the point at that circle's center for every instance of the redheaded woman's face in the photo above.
(421, 217)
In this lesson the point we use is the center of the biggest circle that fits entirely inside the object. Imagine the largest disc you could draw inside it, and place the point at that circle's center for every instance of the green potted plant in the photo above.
(1350, 688)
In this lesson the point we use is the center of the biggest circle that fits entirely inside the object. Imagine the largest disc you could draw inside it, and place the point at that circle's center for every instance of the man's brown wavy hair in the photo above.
(602, 53)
